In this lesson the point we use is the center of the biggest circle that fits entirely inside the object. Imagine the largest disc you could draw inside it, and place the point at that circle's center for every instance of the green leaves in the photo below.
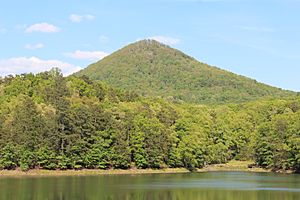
(51, 122)
(8, 157)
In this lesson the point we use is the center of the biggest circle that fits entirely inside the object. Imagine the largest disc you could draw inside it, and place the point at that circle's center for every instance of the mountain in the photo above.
(154, 69)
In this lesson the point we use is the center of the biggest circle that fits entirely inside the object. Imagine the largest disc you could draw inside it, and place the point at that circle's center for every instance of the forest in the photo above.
(48, 121)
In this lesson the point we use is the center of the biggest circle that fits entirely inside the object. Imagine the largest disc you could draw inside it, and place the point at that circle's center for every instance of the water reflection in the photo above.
(206, 186)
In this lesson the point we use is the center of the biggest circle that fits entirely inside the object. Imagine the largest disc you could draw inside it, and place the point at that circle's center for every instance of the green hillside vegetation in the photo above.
(150, 68)
(51, 122)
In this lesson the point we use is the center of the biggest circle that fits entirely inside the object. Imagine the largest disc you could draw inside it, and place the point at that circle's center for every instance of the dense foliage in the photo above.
(153, 69)
(51, 122)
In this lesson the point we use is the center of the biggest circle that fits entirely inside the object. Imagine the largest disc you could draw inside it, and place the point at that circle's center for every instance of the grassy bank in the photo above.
(231, 166)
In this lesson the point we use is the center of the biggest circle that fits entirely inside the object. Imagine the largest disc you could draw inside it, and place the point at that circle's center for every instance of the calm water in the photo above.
(206, 186)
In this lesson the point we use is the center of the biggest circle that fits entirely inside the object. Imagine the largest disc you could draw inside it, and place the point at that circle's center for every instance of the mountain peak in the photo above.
(151, 68)
(149, 42)
(146, 45)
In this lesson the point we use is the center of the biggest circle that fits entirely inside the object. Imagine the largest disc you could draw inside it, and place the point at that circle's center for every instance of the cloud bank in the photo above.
(20, 65)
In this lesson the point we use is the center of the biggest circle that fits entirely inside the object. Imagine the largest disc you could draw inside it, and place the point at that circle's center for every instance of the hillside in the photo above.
(48, 121)
(154, 69)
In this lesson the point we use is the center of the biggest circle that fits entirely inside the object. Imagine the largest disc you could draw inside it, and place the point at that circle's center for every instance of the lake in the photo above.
(194, 186)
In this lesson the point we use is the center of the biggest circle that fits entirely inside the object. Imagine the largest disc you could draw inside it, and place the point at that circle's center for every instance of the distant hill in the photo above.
(154, 69)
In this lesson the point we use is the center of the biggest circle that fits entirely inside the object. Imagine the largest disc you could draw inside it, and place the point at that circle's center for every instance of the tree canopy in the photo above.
(51, 122)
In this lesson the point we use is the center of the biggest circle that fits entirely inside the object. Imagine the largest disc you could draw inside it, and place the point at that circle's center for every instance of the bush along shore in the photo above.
(241, 166)
(52, 122)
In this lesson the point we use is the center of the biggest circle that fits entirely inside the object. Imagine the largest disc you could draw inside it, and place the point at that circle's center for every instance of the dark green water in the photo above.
(206, 186)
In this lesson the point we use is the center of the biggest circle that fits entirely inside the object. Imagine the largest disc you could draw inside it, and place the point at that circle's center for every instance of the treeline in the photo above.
(51, 122)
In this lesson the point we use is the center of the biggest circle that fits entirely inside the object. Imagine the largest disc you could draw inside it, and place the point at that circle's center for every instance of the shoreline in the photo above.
(232, 166)
(88, 172)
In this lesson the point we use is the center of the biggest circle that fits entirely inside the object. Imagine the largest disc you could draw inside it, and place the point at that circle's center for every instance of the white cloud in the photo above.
(165, 40)
(257, 28)
(42, 27)
(87, 55)
(34, 46)
(103, 39)
(79, 18)
(20, 65)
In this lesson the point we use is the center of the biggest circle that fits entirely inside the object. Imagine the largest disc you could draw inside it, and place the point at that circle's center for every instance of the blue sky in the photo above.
(255, 38)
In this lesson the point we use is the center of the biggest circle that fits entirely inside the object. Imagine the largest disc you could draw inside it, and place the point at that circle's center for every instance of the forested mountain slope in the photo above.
(154, 69)
(51, 122)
